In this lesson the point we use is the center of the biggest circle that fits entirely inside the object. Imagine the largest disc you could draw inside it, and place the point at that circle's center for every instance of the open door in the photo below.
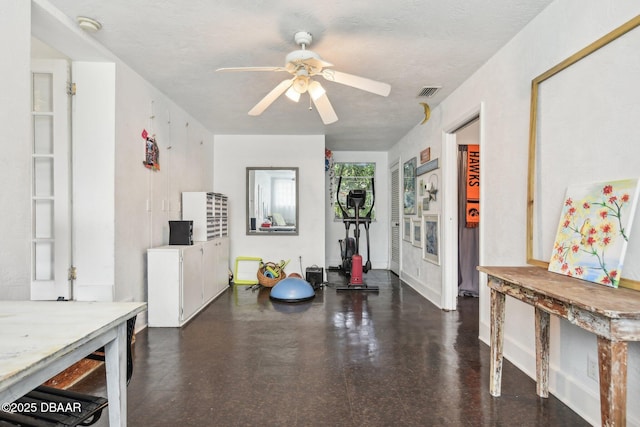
(50, 200)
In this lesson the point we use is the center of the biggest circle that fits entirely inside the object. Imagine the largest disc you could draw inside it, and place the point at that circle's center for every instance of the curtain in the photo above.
(283, 198)
(468, 237)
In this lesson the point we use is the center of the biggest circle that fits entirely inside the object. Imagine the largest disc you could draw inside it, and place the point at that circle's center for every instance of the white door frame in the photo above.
(60, 239)
(449, 221)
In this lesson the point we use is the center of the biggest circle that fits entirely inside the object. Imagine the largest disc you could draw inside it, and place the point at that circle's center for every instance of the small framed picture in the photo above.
(417, 232)
(431, 237)
(406, 229)
(409, 185)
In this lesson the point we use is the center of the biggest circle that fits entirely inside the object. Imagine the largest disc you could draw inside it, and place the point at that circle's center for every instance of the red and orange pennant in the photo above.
(473, 186)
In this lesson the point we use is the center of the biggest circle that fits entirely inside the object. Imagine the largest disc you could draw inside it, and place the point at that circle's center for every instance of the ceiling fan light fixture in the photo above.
(303, 65)
(293, 94)
(316, 90)
(301, 84)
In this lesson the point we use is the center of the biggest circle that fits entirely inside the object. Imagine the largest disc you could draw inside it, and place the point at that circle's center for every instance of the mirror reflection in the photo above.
(272, 201)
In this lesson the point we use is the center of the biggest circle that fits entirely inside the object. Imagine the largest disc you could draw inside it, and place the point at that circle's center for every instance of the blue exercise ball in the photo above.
(292, 289)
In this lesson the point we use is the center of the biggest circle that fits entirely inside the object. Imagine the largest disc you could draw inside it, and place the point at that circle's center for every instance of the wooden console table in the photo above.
(612, 314)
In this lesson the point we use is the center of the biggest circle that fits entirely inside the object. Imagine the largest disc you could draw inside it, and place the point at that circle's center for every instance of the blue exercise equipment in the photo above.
(292, 289)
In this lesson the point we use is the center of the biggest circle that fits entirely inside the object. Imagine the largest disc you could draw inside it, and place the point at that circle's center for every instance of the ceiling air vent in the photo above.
(428, 91)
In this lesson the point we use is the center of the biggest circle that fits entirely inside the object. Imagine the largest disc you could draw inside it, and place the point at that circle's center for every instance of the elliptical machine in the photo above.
(350, 246)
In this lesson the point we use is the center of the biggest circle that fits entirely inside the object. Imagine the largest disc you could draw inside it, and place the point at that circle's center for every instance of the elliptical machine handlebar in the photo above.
(345, 212)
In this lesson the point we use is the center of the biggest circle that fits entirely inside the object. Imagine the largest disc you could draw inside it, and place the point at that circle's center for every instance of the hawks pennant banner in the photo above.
(473, 186)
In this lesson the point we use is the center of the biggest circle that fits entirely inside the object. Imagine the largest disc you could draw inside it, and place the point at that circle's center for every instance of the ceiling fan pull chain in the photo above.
(310, 104)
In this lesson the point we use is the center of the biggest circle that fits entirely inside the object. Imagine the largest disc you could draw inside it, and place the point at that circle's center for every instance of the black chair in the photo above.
(84, 410)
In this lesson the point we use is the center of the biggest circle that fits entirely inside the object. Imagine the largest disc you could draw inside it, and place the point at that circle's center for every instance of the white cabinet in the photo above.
(182, 280)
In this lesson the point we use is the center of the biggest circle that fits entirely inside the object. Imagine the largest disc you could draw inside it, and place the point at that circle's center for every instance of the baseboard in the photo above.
(431, 296)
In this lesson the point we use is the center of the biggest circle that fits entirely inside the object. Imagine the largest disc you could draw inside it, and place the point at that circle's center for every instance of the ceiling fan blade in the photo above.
(362, 83)
(270, 97)
(325, 109)
(252, 69)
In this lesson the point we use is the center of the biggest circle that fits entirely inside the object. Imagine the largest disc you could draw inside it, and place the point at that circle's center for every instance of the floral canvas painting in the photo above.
(594, 229)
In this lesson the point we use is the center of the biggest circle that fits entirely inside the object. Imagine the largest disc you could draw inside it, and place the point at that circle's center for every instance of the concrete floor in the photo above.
(343, 359)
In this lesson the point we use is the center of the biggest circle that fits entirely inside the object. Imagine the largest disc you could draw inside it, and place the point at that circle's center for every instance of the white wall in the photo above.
(425, 277)
(93, 183)
(15, 161)
(146, 200)
(233, 154)
(379, 228)
(503, 87)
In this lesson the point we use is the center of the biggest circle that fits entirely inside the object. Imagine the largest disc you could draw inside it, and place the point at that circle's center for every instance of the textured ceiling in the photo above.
(177, 45)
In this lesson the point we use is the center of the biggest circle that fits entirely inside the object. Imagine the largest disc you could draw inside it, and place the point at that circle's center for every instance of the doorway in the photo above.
(472, 122)
(468, 140)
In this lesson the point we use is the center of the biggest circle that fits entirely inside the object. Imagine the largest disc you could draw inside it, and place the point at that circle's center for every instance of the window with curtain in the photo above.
(283, 199)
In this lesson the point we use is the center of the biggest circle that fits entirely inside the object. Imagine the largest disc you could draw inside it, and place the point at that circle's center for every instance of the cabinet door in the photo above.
(209, 259)
(222, 264)
(164, 291)
(191, 281)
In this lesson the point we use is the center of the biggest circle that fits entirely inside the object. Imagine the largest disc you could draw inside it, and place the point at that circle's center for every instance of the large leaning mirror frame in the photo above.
(272, 201)
(584, 113)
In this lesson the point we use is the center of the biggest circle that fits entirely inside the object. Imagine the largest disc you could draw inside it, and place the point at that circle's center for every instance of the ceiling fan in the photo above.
(304, 64)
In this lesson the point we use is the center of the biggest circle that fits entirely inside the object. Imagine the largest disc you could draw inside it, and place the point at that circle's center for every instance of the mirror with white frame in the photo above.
(272, 201)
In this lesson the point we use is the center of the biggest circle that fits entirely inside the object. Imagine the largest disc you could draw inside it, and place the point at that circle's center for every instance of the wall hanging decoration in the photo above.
(594, 229)
(425, 204)
(328, 160)
(472, 205)
(425, 155)
(406, 229)
(417, 232)
(409, 177)
(432, 187)
(427, 167)
(578, 135)
(427, 112)
(431, 232)
(328, 167)
(151, 152)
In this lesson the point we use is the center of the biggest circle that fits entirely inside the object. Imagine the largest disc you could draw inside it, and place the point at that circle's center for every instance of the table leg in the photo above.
(497, 341)
(542, 352)
(612, 363)
(116, 368)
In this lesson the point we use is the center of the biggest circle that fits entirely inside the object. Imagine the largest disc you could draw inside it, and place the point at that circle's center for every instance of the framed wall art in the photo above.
(579, 136)
(431, 233)
(406, 229)
(416, 223)
(409, 186)
(431, 165)
(425, 155)
(593, 233)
